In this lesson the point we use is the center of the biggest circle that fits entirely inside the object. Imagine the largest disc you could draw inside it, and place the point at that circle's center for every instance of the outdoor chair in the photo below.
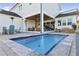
(11, 29)
(4, 30)
(17, 31)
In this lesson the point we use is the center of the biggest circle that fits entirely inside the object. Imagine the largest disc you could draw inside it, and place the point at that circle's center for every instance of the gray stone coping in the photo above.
(62, 49)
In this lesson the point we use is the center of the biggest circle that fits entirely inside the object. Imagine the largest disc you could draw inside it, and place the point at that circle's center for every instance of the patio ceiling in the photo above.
(37, 17)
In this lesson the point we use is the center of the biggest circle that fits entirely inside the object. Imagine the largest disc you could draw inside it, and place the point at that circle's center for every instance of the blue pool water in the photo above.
(42, 44)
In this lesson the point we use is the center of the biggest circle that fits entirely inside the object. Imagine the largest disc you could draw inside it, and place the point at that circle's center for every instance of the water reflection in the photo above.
(42, 42)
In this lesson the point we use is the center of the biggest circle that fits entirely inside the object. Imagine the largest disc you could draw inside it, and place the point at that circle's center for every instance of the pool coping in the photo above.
(64, 48)
(25, 51)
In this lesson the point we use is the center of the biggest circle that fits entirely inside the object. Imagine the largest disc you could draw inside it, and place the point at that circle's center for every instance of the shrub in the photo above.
(67, 30)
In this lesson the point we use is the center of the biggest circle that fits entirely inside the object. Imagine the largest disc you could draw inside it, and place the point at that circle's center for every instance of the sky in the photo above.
(69, 6)
(64, 6)
(6, 6)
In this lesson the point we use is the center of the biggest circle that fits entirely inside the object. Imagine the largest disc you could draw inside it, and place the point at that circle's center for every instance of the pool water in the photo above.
(42, 44)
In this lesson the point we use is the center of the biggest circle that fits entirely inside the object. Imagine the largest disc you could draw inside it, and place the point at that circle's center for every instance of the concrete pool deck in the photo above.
(8, 47)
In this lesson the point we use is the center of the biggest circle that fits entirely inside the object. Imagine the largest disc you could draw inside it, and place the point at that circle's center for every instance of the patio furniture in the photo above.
(37, 29)
(4, 30)
(67, 30)
(18, 30)
(11, 29)
(57, 30)
(31, 29)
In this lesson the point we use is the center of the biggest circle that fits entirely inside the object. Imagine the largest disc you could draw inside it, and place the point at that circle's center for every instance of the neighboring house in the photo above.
(37, 16)
(66, 19)
(6, 21)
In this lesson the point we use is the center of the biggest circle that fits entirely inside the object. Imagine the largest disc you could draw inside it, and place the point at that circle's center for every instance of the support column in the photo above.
(24, 26)
(41, 18)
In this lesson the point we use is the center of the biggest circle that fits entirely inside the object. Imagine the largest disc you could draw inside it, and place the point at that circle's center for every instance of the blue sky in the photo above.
(6, 6)
(68, 6)
(64, 6)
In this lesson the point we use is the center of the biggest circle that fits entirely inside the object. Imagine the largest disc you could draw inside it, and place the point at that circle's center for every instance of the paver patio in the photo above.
(11, 48)
(77, 45)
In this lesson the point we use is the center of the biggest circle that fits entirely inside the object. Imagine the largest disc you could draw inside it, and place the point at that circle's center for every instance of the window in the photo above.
(59, 22)
(64, 22)
(30, 3)
(20, 7)
(69, 22)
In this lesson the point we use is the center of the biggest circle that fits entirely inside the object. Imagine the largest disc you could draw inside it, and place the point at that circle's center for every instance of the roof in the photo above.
(14, 6)
(37, 16)
(68, 13)
(9, 13)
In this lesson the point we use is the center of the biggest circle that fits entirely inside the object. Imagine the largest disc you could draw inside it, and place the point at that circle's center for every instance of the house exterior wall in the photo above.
(51, 9)
(30, 9)
(73, 20)
(5, 21)
(27, 9)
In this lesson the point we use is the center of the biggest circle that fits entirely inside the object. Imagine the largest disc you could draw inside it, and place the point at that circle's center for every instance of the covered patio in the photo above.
(34, 23)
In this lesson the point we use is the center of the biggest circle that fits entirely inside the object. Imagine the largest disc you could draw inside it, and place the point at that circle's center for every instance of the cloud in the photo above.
(6, 8)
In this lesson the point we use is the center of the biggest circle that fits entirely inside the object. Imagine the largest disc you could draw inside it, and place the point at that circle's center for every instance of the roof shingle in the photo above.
(9, 13)
(76, 12)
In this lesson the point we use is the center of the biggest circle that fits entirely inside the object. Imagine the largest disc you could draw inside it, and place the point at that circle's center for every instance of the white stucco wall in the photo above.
(5, 21)
(73, 18)
(51, 9)
(27, 9)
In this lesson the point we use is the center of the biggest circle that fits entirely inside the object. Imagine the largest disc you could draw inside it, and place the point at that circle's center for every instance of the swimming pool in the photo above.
(42, 44)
